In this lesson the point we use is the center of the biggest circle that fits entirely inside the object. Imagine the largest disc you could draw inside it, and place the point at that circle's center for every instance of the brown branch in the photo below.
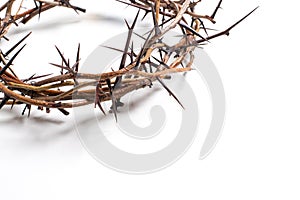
(72, 88)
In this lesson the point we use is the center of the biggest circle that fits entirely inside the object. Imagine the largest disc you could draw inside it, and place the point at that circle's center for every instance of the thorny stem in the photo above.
(82, 88)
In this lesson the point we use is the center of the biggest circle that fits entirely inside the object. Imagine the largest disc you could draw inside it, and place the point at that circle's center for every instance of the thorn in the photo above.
(226, 32)
(4, 101)
(115, 49)
(27, 106)
(114, 107)
(16, 45)
(125, 52)
(191, 29)
(127, 24)
(142, 50)
(33, 77)
(135, 19)
(139, 35)
(146, 13)
(61, 55)
(36, 6)
(216, 10)
(12, 105)
(77, 58)
(101, 108)
(132, 54)
(161, 54)
(67, 3)
(242, 19)
(135, 5)
(63, 111)
(6, 38)
(11, 60)
(170, 92)
(161, 62)
(40, 9)
(97, 99)
(29, 110)
(203, 26)
(63, 67)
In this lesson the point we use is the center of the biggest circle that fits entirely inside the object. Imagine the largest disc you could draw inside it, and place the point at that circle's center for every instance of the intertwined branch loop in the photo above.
(144, 68)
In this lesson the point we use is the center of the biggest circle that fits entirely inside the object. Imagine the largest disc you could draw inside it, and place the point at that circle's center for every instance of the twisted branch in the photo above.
(72, 88)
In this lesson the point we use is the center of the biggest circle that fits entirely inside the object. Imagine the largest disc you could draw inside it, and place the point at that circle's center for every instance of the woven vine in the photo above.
(71, 88)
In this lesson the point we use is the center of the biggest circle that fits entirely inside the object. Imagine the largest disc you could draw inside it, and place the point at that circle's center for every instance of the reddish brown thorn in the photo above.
(226, 32)
(216, 10)
(77, 58)
(62, 56)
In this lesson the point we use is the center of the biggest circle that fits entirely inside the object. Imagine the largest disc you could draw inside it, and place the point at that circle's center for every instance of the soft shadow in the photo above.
(138, 102)
(56, 23)
(16, 117)
(42, 128)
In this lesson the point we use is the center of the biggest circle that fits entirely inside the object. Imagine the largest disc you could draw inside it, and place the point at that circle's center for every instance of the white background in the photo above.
(257, 156)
